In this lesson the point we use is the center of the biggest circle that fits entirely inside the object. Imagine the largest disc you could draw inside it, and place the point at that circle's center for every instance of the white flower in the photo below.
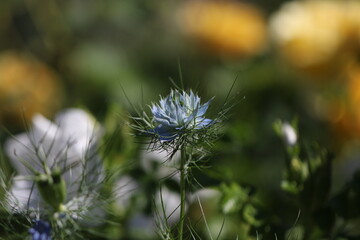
(157, 163)
(142, 226)
(168, 201)
(126, 188)
(165, 202)
(289, 134)
(66, 148)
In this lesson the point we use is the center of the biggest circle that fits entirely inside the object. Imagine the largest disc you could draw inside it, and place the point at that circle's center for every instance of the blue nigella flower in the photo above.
(177, 112)
(41, 230)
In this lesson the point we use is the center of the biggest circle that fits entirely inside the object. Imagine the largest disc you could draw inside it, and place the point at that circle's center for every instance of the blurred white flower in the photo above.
(64, 151)
(205, 194)
(168, 201)
(165, 202)
(157, 162)
(289, 134)
(165, 199)
(142, 226)
(125, 189)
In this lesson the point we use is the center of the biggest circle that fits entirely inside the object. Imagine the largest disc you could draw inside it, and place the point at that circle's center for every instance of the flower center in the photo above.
(52, 189)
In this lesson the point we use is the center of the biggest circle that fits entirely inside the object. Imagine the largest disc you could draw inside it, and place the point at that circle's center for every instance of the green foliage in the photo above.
(234, 197)
(276, 176)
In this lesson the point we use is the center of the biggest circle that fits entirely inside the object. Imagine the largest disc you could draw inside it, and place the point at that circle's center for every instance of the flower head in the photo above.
(40, 231)
(56, 164)
(224, 27)
(344, 111)
(316, 37)
(28, 86)
(177, 113)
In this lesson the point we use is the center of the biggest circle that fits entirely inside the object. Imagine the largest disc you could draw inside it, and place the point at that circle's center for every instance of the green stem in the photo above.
(182, 192)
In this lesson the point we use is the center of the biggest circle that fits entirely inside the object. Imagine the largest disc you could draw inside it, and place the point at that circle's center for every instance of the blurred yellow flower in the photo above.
(225, 27)
(317, 36)
(345, 112)
(27, 86)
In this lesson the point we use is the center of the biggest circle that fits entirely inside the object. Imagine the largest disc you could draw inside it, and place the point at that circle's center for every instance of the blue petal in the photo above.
(204, 108)
(164, 133)
(204, 122)
(162, 121)
(176, 111)
(36, 236)
(41, 230)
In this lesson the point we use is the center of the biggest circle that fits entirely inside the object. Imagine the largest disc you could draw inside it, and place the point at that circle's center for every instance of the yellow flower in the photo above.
(27, 86)
(225, 27)
(317, 36)
(344, 112)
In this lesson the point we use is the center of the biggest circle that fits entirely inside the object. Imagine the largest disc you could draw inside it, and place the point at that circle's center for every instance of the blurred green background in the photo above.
(291, 60)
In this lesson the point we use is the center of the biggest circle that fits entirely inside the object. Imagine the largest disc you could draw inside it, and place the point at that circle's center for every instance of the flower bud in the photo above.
(288, 133)
(52, 189)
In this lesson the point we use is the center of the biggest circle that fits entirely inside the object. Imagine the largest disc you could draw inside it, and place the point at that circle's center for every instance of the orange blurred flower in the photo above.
(317, 36)
(225, 27)
(27, 86)
(345, 112)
